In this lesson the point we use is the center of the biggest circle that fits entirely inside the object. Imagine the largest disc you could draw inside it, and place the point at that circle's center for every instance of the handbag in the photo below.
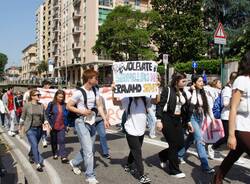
(211, 133)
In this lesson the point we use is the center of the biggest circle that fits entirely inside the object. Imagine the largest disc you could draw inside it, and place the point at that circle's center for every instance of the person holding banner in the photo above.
(86, 108)
(239, 118)
(170, 114)
(134, 127)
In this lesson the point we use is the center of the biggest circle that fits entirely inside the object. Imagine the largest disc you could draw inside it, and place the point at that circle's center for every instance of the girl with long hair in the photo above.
(57, 116)
(170, 115)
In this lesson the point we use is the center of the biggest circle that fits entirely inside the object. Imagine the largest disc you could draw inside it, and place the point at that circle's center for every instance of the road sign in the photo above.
(194, 64)
(220, 36)
(165, 59)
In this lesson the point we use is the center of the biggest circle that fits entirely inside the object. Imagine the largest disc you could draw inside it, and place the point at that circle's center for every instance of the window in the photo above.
(137, 2)
(126, 1)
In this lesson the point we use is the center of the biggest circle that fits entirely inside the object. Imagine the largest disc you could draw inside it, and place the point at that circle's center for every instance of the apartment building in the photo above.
(73, 31)
(29, 62)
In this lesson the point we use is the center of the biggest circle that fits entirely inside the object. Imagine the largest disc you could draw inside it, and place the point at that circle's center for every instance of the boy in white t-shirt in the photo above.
(84, 128)
(239, 120)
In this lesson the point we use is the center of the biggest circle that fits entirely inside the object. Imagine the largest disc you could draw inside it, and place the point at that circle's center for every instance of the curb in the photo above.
(53, 175)
(19, 156)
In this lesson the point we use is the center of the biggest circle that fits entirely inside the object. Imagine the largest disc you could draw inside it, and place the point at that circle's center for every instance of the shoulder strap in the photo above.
(145, 103)
(84, 94)
(166, 104)
(129, 104)
(51, 107)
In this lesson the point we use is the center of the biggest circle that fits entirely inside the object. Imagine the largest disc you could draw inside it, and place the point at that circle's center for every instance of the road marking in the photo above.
(53, 175)
(32, 175)
(246, 162)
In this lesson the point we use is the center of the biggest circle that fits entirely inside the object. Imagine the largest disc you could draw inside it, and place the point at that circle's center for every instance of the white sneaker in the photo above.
(182, 161)
(9, 133)
(163, 165)
(75, 169)
(179, 175)
(44, 142)
(152, 136)
(210, 151)
(92, 181)
(240, 161)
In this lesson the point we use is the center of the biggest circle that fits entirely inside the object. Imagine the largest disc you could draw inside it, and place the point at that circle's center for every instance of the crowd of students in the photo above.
(179, 114)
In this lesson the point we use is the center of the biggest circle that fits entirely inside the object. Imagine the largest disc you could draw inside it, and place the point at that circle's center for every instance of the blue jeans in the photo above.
(151, 119)
(102, 134)
(34, 136)
(196, 121)
(86, 136)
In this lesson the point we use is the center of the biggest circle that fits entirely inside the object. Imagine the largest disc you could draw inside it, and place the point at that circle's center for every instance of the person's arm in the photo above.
(23, 115)
(232, 117)
(71, 107)
(114, 99)
(226, 96)
(100, 108)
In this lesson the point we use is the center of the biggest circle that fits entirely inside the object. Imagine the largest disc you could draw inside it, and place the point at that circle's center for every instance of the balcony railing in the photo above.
(76, 30)
(76, 45)
(76, 2)
(76, 14)
(76, 60)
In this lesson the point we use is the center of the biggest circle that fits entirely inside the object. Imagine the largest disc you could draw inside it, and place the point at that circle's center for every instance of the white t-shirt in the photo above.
(226, 96)
(77, 98)
(26, 96)
(242, 83)
(137, 119)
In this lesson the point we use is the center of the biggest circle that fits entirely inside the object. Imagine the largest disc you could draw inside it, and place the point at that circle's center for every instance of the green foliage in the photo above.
(3, 62)
(123, 36)
(42, 67)
(234, 15)
(177, 29)
(210, 66)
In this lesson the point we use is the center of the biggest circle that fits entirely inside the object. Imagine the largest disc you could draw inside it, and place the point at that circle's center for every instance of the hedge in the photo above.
(211, 66)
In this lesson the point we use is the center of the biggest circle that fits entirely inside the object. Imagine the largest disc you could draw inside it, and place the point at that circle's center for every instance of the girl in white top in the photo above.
(239, 120)
(226, 95)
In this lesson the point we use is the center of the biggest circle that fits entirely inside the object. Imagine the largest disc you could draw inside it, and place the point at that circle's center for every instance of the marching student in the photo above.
(171, 115)
(239, 118)
(135, 126)
(57, 116)
(32, 119)
(85, 124)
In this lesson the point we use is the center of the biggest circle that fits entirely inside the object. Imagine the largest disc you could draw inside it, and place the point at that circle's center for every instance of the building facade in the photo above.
(29, 62)
(70, 31)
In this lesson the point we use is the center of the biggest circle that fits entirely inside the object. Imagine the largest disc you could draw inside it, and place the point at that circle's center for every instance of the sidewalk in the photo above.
(13, 174)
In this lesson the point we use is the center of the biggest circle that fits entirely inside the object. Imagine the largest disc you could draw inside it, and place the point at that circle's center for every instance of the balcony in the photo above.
(76, 46)
(76, 30)
(56, 16)
(76, 60)
(76, 2)
(76, 14)
(56, 29)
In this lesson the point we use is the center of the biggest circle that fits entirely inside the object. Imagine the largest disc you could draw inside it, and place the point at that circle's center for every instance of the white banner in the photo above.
(114, 113)
(135, 78)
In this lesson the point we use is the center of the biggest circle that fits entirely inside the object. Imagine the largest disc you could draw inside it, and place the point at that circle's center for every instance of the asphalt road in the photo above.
(112, 172)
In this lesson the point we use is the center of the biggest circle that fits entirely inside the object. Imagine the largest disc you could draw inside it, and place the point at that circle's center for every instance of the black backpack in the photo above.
(72, 116)
(126, 114)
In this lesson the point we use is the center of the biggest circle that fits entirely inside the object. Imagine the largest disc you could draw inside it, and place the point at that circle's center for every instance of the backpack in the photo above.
(126, 114)
(217, 107)
(72, 116)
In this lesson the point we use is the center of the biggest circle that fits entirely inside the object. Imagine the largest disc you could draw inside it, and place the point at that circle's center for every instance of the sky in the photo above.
(17, 27)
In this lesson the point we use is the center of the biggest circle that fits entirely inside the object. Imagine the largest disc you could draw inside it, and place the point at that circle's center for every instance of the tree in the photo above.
(177, 29)
(124, 36)
(234, 15)
(3, 62)
(42, 67)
